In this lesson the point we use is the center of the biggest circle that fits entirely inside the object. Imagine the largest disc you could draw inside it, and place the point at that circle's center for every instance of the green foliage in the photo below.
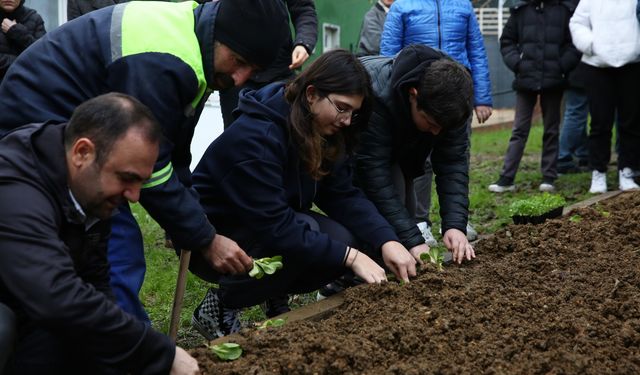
(272, 323)
(575, 218)
(265, 266)
(537, 204)
(435, 256)
(228, 351)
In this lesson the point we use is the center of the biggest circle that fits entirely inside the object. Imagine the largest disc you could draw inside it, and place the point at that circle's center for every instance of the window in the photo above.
(54, 13)
(330, 37)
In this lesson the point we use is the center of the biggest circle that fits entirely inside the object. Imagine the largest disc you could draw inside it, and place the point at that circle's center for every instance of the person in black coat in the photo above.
(291, 55)
(536, 46)
(59, 186)
(21, 26)
(288, 149)
(423, 100)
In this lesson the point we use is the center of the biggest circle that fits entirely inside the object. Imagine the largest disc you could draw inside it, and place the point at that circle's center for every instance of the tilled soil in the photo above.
(562, 297)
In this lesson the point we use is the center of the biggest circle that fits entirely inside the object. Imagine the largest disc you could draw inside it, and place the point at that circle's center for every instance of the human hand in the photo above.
(184, 364)
(399, 260)
(7, 24)
(416, 251)
(225, 256)
(456, 242)
(483, 112)
(365, 267)
(298, 57)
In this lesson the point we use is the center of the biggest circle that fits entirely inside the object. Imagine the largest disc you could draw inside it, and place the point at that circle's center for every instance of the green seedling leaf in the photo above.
(575, 218)
(272, 323)
(435, 256)
(265, 266)
(228, 351)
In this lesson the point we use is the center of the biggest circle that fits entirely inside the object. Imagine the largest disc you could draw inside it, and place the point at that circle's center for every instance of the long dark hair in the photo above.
(339, 72)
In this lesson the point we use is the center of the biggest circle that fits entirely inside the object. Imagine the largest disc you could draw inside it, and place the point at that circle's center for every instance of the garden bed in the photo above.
(561, 297)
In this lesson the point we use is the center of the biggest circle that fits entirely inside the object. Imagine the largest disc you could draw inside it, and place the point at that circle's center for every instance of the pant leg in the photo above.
(573, 135)
(628, 106)
(8, 331)
(126, 257)
(422, 190)
(404, 189)
(525, 102)
(550, 101)
(601, 92)
(296, 276)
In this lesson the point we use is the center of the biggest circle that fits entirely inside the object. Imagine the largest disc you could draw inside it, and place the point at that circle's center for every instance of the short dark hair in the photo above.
(107, 118)
(445, 92)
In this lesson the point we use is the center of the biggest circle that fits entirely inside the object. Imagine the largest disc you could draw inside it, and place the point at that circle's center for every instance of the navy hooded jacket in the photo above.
(251, 181)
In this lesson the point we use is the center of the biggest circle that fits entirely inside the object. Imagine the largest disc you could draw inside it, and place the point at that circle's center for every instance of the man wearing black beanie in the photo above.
(170, 56)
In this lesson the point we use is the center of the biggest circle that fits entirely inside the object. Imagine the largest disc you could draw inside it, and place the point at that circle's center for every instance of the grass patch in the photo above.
(488, 213)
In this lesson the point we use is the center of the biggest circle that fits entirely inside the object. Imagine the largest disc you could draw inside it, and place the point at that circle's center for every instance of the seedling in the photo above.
(575, 218)
(272, 323)
(536, 205)
(228, 351)
(435, 256)
(265, 266)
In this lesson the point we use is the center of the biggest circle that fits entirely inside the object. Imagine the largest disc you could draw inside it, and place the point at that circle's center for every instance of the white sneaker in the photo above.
(546, 187)
(598, 182)
(426, 234)
(496, 188)
(625, 177)
(472, 234)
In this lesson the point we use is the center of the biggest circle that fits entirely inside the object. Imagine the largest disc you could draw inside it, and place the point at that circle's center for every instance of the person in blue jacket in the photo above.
(451, 27)
(290, 148)
(170, 56)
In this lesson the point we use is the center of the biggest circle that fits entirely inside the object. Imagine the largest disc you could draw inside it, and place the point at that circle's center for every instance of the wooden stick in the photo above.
(181, 284)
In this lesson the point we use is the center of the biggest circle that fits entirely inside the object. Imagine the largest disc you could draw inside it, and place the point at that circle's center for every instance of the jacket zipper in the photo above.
(439, 30)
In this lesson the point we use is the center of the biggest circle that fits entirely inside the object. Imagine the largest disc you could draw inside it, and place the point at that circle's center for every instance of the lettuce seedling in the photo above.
(272, 323)
(435, 256)
(575, 218)
(228, 351)
(265, 266)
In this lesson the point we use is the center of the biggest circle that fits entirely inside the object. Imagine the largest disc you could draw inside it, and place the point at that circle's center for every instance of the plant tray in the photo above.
(538, 219)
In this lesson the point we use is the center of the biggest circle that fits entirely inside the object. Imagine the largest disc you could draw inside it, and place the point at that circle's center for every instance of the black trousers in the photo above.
(612, 90)
(297, 276)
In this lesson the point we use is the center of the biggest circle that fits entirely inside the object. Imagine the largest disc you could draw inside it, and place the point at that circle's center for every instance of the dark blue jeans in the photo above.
(574, 144)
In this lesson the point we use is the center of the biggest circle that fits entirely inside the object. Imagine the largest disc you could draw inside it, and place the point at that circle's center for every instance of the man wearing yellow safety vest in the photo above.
(170, 56)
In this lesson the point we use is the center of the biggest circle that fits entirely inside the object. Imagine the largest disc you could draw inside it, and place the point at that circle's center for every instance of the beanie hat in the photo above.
(254, 29)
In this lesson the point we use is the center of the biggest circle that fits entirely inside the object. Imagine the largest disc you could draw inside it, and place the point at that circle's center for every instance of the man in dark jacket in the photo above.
(422, 102)
(536, 46)
(21, 26)
(372, 26)
(170, 56)
(291, 55)
(59, 185)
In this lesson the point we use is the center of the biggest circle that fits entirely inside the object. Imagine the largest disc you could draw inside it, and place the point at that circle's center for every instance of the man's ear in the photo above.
(83, 152)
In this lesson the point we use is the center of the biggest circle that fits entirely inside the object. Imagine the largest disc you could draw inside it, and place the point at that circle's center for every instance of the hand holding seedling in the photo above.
(225, 256)
(399, 260)
(456, 242)
(183, 363)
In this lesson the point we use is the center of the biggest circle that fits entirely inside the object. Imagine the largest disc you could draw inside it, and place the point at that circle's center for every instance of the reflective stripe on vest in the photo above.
(160, 27)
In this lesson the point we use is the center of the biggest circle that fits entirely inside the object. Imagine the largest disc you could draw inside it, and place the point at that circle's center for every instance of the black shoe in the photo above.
(275, 306)
(338, 285)
(212, 320)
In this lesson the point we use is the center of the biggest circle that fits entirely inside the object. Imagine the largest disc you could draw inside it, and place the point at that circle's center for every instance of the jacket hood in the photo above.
(408, 67)
(205, 19)
(267, 102)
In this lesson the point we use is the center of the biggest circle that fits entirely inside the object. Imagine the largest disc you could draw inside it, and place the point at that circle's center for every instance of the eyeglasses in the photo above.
(343, 113)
